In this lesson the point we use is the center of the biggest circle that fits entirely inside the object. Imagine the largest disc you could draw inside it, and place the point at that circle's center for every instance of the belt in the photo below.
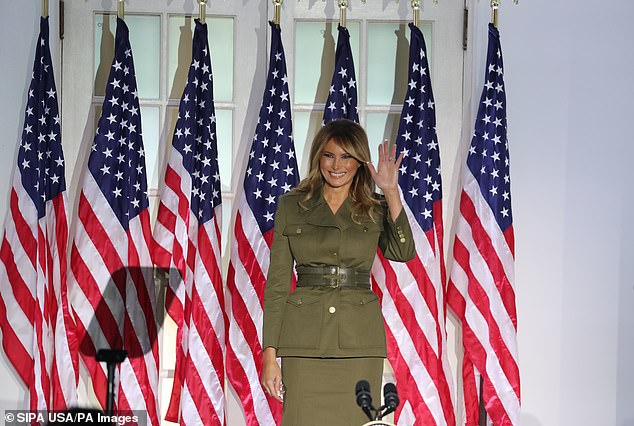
(332, 276)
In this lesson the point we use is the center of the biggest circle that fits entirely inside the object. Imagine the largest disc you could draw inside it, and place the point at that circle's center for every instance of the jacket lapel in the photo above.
(318, 213)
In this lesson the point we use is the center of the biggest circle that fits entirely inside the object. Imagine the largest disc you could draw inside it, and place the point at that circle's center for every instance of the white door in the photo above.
(160, 34)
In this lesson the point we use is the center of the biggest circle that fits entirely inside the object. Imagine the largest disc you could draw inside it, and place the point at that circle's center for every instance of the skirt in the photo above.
(321, 391)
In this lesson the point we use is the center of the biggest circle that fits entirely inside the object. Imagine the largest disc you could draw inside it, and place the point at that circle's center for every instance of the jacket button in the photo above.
(299, 230)
(335, 254)
(402, 239)
(332, 309)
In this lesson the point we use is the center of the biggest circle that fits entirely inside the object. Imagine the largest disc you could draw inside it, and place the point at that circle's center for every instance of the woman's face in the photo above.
(337, 166)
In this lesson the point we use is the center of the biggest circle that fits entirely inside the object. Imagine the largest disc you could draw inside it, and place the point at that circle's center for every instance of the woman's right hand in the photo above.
(272, 374)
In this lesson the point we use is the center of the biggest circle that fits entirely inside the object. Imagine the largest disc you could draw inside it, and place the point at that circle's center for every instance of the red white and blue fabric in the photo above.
(111, 287)
(413, 293)
(187, 235)
(482, 275)
(37, 328)
(271, 171)
(342, 95)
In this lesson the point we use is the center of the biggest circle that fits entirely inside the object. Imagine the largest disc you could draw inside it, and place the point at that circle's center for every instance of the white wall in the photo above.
(569, 71)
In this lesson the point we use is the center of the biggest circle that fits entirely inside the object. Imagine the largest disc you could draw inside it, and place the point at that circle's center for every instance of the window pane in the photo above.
(381, 126)
(150, 124)
(388, 61)
(226, 221)
(145, 39)
(315, 44)
(224, 126)
(305, 127)
(220, 35)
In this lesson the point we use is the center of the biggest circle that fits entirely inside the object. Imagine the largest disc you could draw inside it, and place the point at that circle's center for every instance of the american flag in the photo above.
(342, 95)
(481, 284)
(37, 329)
(413, 293)
(112, 291)
(271, 172)
(187, 236)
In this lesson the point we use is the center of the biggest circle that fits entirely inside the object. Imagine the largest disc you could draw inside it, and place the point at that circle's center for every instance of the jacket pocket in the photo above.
(301, 324)
(361, 321)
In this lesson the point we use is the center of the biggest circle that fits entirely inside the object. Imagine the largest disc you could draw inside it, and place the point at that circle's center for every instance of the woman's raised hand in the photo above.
(386, 174)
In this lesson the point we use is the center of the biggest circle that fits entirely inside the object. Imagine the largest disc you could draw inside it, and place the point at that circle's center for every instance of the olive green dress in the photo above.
(328, 338)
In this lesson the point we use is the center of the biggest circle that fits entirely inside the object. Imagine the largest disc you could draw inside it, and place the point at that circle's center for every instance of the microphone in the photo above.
(364, 397)
(390, 397)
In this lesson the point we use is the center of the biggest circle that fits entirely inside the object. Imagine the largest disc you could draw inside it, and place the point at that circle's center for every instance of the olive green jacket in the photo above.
(321, 321)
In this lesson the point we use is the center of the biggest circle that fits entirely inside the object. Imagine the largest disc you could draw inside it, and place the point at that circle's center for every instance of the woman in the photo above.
(329, 332)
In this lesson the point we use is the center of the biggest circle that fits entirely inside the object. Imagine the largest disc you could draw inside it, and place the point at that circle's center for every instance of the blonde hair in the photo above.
(351, 138)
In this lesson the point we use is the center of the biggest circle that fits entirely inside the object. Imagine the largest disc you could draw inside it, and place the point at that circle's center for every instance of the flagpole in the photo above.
(202, 10)
(416, 8)
(343, 7)
(495, 6)
(277, 11)
(44, 8)
(121, 9)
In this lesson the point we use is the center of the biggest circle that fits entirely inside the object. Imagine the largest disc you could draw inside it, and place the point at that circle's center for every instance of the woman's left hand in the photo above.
(386, 174)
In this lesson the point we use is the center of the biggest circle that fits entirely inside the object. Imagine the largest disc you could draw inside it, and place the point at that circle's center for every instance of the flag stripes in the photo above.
(413, 294)
(104, 303)
(481, 282)
(252, 250)
(271, 171)
(187, 236)
(111, 285)
(38, 331)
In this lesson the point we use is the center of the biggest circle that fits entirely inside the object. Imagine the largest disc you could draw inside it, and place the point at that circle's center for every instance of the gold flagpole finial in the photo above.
(495, 6)
(416, 9)
(277, 11)
(343, 7)
(202, 10)
(121, 9)
(44, 8)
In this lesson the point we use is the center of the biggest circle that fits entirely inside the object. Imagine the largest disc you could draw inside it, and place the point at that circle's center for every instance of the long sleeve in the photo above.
(396, 241)
(278, 282)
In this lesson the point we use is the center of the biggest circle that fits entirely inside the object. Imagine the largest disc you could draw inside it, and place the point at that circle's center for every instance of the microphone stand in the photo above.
(111, 357)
